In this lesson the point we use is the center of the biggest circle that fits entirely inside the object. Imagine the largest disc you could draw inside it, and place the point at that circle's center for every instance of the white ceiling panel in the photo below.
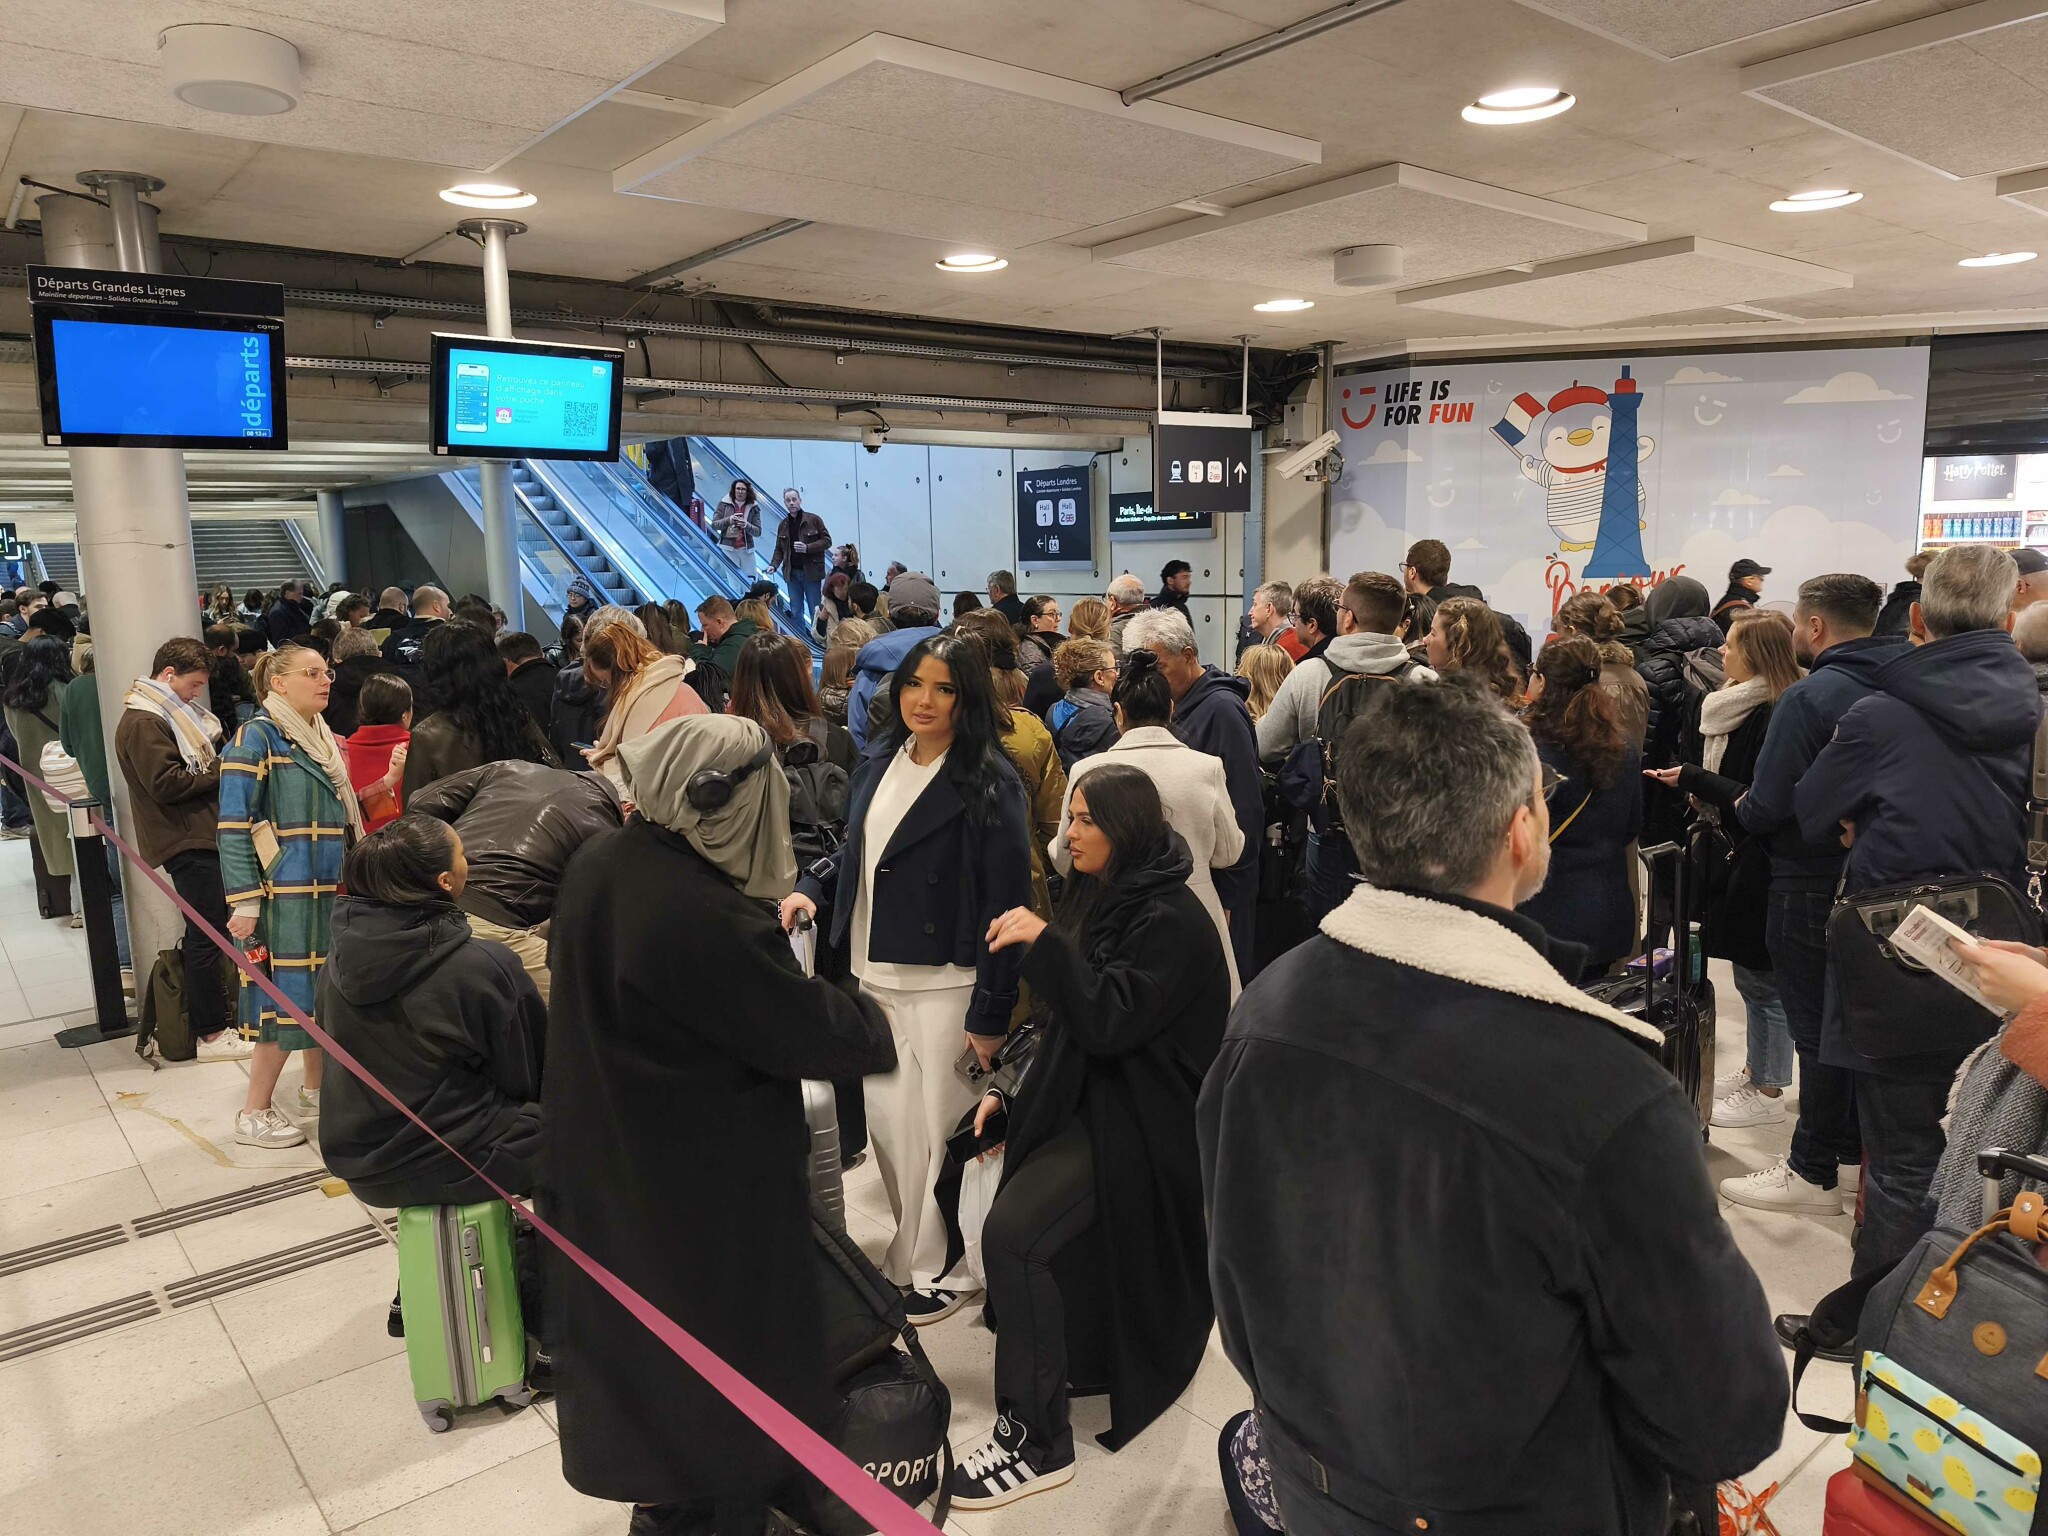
(1671, 29)
(1445, 226)
(458, 82)
(902, 136)
(2026, 189)
(1964, 92)
(1667, 278)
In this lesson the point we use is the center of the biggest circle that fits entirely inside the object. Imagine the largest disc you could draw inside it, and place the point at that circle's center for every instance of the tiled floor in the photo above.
(284, 1408)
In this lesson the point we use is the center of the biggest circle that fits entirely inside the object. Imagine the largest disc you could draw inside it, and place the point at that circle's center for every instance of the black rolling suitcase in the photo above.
(53, 892)
(1678, 1004)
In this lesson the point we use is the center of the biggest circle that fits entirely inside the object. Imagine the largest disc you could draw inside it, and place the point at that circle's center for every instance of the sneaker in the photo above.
(78, 919)
(309, 1102)
(1748, 1105)
(1790, 1325)
(1778, 1188)
(14, 834)
(228, 1045)
(266, 1128)
(999, 1472)
(928, 1306)
(1848, 1181)
(1728, 1082)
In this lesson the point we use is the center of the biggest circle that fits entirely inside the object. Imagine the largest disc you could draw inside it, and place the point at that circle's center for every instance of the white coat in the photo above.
(1197, 804)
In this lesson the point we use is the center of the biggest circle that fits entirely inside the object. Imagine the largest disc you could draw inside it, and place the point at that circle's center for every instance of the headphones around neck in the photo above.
(712, 789)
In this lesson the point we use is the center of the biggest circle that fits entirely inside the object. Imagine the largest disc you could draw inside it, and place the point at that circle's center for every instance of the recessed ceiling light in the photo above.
(1997, 259)
(487, 194)
(1522, 104)
(971, 261)
(1284, 306)
(1813, 202)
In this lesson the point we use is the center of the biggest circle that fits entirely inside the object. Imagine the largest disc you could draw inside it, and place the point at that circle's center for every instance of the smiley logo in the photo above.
(1699, 412)
(1368, 405)
(1891, 432)
(1449, 490)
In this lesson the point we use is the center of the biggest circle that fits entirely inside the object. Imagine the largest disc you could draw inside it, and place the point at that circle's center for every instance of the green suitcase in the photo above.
(458, 1287)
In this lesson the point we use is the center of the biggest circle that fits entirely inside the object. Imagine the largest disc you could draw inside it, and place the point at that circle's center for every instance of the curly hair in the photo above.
(41, 665)
(1573, 712)
(1472, 636)
(461, 672)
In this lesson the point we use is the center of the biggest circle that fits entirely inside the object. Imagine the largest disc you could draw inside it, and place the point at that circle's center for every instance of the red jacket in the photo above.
(369, 759)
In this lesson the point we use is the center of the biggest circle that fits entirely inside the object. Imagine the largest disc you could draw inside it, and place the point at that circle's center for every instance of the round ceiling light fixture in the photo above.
(233, 70)
(1522, 104)
(1997, 259)
(971, 261)
(1284, 306)
(492, 195)
(1814, 202)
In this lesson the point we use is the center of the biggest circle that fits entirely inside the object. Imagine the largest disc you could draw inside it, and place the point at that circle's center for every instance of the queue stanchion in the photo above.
(96, 887)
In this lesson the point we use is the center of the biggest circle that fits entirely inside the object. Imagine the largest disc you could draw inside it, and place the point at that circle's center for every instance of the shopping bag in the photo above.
(978, 1180)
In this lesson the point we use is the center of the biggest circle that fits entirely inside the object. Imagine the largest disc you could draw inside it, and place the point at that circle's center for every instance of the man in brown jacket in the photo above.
(168, 745)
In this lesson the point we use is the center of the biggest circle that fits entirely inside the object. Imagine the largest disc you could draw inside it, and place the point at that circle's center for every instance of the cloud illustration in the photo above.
(1391, 452)
(1732, 497)
(1787, 472)
(1845, 389)
(1691, 375)
(1469, 544)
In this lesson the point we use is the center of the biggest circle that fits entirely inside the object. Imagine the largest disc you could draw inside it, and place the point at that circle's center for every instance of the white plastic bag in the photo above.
(61, 769)
(978, 1181)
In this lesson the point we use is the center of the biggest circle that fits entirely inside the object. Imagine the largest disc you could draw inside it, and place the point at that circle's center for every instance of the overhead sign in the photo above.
(9, 548)
(154, 290)
(1975, 476)
(1137, 512)
(1055, 516)
(1202, 462)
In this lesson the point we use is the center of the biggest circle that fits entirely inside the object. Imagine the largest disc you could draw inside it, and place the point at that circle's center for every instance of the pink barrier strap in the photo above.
(812, 1451)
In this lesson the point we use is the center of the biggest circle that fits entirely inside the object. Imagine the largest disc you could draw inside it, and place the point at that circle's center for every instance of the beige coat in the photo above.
(1197, 803)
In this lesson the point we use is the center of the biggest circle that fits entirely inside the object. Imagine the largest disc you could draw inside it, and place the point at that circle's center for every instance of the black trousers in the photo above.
(195, 875)
(1045, 1204)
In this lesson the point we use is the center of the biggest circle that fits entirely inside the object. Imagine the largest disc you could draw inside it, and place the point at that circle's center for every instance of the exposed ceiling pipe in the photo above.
(917, 339)
(718, 253)
(1257, 48)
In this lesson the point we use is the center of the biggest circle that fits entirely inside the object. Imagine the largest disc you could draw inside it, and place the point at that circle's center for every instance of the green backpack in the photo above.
(161, 1017)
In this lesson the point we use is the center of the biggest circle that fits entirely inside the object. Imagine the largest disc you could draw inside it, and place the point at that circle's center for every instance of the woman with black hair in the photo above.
(737, 522)
(771, 686)
(448, 1022)
(37, 675)
(477, 717)
(936, 848)
(1135, 987)
(1596, 803)
(1039, 635)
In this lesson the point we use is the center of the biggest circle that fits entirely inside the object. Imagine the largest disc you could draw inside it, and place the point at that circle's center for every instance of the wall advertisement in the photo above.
(1546, 476)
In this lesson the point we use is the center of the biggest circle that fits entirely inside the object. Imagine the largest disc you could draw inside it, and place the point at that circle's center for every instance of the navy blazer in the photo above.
(940, 883)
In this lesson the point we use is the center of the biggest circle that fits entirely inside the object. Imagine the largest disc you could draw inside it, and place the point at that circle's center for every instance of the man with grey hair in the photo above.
(1928, 776)
(1002, 596)
(1269, 620)
(1126, 598)
(1210, 714)
(1490, 1202)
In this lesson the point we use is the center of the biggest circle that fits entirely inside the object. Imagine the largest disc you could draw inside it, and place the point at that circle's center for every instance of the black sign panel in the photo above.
(1975, 476)
(1138, 512)
(154, 290)
(1202, 468)
(1055, 522)
(9, 549)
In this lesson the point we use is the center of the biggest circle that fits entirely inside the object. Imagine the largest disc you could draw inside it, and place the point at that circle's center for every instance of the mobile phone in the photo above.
(966, 1146)
(470, 398)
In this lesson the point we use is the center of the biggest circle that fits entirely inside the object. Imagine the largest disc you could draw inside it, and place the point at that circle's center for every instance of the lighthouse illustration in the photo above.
(1594, 497)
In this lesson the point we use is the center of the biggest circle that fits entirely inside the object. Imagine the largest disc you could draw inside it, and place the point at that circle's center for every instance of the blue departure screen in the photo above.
(162, 380)
(530, 401)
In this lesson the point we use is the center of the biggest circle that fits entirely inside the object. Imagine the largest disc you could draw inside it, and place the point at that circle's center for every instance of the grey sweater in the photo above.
(1291, 717)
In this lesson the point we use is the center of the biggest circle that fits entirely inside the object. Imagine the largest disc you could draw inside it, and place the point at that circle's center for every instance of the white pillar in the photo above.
(333, 536)
(134, 522)
(501, 528)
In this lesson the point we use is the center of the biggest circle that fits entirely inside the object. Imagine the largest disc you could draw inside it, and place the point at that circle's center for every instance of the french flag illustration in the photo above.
(1513, 427)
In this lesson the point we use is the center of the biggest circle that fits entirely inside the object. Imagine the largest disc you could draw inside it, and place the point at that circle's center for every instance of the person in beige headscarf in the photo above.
(678, 1031)
(647, 687)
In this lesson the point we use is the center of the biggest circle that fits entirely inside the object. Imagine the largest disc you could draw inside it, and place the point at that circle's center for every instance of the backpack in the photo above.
(1309, 776)
(712, 685)
(1702, 670)
(161, 1026)
(819, 790)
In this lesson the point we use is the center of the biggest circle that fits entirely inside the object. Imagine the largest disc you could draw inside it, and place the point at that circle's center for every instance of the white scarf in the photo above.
(313, 738)
(196, 731)
(1722, 713)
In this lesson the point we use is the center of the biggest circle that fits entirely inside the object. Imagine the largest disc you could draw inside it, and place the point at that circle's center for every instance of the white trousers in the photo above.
(911, 1112)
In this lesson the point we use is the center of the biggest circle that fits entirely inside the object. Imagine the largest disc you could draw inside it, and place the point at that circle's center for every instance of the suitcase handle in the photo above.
(473, 1258)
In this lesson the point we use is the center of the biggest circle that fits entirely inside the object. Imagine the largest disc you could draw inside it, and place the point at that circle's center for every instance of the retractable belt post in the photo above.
(96, 886)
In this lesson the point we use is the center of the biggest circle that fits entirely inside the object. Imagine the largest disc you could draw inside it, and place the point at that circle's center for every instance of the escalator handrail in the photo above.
(539, 584)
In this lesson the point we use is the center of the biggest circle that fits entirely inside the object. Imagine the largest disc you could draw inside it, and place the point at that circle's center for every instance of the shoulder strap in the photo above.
(1559, 830)
(2037, 815)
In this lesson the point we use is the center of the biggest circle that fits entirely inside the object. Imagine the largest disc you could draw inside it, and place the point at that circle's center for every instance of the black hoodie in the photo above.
(451, 1025)
(1212, 717)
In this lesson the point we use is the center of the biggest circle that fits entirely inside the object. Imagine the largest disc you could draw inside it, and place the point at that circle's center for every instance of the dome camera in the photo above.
(872, 438)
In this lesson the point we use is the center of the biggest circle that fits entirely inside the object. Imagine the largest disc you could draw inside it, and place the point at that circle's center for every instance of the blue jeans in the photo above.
(1826, 1136)
(1770, 1037)
(13, 809)
(1901, 1123)
(804, 592)
(1332, 869)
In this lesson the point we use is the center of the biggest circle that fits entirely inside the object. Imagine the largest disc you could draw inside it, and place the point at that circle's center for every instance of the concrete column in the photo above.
(501, 512)
(333, 536)
(134, 522)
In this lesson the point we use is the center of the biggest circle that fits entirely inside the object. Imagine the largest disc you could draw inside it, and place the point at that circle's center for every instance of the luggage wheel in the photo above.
(439, 1419)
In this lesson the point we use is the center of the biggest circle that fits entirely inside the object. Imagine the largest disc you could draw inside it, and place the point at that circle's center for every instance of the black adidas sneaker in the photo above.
(1000, 1471)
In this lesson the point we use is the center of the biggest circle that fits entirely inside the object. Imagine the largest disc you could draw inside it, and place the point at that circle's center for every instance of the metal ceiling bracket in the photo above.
(1256, 48)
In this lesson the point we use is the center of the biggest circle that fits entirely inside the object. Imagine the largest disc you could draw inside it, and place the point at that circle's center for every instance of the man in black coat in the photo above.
(801, 543)
(289, 617)
(531, 676)
(1745, 586)
(1210, 715)
(1455, 1202)
(1895, 619)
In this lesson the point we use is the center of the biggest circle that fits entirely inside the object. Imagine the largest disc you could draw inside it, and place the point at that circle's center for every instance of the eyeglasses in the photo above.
(1552, 779)
(313, 672)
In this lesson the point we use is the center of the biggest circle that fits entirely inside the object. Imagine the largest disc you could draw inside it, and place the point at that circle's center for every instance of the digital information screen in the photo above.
(1136, 514)
(522, 399)
(160, 379)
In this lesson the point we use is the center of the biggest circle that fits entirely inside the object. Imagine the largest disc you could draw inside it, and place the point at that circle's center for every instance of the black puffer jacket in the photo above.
(578, 715)
(452, 1026)
(1673, 696)
(519, 823)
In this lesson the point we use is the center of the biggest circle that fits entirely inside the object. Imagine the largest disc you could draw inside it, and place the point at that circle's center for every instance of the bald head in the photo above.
(429, 603)
(1126, 592)
(2030, 632)
(392, 600)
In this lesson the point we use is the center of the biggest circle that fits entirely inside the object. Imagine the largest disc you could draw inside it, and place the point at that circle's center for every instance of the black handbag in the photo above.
(1891, 1005)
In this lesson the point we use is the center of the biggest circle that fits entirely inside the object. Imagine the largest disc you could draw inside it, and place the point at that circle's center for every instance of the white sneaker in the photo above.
(1848, 1181)
(1728, 1082)
(1778, 1188)
(309, 1102)
(228, 1045)
(1748, 1105)
(266, 1128)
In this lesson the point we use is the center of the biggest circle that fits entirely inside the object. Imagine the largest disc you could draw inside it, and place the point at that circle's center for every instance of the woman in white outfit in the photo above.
(1190, 783)
(937, 847)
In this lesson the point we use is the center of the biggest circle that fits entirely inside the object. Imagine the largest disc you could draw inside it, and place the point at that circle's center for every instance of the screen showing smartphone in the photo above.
(470, 408)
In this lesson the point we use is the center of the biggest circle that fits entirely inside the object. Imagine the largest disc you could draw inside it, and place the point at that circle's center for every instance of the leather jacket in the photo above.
(519, 824)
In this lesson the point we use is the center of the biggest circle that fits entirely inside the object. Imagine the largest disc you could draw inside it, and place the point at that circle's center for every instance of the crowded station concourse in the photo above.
(1093, 769)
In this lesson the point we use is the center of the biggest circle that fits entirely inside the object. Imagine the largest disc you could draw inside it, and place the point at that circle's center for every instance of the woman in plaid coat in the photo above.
(287, 815)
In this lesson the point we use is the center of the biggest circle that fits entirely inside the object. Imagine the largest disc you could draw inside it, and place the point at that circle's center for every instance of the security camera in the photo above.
(1311, 457)
(872, 438)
